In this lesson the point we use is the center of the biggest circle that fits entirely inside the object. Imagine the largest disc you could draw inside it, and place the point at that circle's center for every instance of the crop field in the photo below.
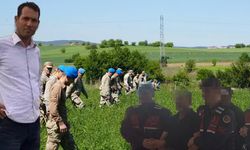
(95, 128)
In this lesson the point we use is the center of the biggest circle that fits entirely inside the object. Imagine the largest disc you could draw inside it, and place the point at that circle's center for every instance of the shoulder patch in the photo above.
(226, 119)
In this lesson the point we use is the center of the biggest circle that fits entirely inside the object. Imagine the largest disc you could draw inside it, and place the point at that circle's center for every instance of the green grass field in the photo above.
(54, 54)
(97, 128)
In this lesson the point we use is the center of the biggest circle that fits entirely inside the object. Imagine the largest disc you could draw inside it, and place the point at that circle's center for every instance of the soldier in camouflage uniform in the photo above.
(57, 124)
(119, 82)
(47, 69)
(142, 77)
(57, 74)
(115, 86)
(105, 89)
(76, 88)
(136, 81)
(128, 82)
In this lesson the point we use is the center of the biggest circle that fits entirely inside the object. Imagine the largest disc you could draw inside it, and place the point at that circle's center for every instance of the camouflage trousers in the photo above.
(55, 138)
(43, 112)
(115, 97)
(77, 100)
(128, 90)
(105, 100)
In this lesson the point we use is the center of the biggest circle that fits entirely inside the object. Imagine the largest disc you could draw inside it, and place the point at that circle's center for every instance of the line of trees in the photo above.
(119, 43)
(241, 45)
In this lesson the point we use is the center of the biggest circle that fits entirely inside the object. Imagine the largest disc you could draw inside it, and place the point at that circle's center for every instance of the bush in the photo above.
(225, 77)
(72, 58)
(181, 79)
(190, 65)
(238, 75)
(214, 62)
(63, 50)
(240, 45)
(204, 74)
(169, 44)
(91, 46)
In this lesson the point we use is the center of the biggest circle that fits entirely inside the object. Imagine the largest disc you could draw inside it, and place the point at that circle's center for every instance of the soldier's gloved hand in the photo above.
(2, 111)
(243, 131)
(63, 128)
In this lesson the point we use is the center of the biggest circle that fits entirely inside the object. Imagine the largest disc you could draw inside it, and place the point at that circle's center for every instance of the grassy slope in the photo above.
(54, 54)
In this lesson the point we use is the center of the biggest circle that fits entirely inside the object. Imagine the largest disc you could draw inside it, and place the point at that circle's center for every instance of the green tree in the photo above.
(169, 44)
(133, 44)
(204, 74)
(214, 61)
(143, 43)
(63, 50)
(91, 46)
(190, 65)
(240, 45)
(156, 44)
(126, 43)
(181, 79)
(40, 44)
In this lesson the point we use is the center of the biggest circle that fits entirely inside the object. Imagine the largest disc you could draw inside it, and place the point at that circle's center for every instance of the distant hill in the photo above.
(62, 42)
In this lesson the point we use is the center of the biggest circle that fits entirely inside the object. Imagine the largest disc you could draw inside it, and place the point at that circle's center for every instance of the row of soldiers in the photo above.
(111, 86)
(217, 125)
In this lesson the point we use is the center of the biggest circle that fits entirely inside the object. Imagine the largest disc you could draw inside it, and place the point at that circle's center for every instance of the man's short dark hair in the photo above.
(210, 82)
(31, 5)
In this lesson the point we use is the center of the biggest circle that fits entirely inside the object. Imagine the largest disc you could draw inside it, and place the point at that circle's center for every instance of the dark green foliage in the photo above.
(72, 58)
(112, 43)
(240, 45)
(143, 43)
(97, 63)
(169, 44)
(239, 73)
(133, 44)
(126, 43)
(225, 77)
(214, 62)
(156, 44)
(63, 50)
(190, 65)
(91, 46)
(181, 79)
(204, 74)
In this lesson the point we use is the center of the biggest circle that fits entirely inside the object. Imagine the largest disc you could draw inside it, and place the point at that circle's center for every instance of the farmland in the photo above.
(97, 128)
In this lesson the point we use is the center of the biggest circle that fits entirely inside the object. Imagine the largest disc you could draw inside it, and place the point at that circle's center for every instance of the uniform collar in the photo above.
(16, 40)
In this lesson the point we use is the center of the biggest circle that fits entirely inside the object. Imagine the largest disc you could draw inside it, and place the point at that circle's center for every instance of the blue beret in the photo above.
(119, 72)
(70, 72)
(111, 70)
(61, 68)
(81, 70)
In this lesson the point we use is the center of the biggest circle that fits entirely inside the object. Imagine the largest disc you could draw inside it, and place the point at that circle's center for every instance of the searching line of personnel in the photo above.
(217, 125)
